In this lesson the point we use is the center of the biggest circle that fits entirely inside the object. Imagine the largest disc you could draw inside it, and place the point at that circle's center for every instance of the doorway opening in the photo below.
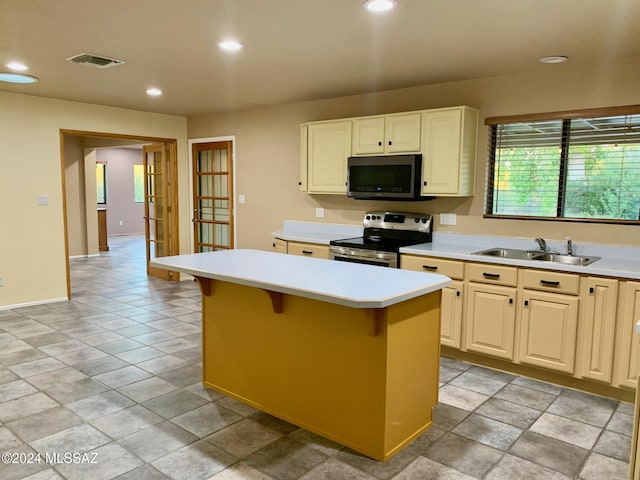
(157, 198)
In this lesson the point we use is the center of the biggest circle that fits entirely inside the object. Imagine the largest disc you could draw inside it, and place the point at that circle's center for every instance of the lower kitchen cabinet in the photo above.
(626, 352)
(451, 314)
(548, 330)
(490, 320)
(308, 249)
(597, 330)
(279, 246)
(451, 304)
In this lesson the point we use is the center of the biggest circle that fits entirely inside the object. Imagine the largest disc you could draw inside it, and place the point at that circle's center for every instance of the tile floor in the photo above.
(114, 377)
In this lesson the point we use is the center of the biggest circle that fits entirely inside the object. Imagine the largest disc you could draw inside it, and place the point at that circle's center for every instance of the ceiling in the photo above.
(295, 50)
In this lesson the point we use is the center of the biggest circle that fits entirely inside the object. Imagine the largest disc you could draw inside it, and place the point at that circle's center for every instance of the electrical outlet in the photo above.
(447, 219)
(121, 222)
(1, 281)
(319, 212)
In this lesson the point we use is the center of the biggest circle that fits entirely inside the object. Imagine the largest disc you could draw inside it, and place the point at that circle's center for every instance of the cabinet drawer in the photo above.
(551, 281)
(308, 249)
(495, 274)
(450, 268)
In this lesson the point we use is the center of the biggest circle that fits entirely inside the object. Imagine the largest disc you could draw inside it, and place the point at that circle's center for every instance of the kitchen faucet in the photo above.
(569, 246)
(542, 243)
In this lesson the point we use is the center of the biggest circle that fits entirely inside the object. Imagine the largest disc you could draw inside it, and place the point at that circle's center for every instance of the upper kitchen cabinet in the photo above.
(398, 133)
(325, 147)
(449, 137)
(446, 138)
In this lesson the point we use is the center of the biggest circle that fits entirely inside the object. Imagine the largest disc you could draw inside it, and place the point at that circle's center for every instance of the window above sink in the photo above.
(580, 166)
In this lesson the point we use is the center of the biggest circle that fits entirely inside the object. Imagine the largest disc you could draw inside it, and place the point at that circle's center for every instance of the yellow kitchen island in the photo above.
(348, 351)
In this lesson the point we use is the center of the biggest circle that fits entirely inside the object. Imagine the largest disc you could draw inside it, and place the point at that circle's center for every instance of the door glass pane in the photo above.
(206, 233)
(220, 183)
(221, 211)
(204, 186)
(220, 161)
(205, 207)
(204, 162)
(222, 234)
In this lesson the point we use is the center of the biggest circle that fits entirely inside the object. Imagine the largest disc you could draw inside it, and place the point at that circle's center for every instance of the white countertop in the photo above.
(349, 284)
(315, 232)
(616, 260)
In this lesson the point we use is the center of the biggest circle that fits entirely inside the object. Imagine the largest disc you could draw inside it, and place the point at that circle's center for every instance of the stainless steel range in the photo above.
(384, 234)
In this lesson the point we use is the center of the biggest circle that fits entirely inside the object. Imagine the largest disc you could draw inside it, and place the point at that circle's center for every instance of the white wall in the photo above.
(32, 248)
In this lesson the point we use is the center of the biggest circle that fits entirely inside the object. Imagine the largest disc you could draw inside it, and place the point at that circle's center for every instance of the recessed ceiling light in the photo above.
(230, 45)
(17, 66)
(154, 92)
(380, 5)
(17, 78)
(554, 59)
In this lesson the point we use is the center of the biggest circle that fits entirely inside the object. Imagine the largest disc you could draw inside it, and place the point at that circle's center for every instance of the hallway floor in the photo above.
(114, 377)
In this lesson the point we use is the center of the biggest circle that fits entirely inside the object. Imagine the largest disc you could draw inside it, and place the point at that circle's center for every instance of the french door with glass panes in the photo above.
(212, 196)
(160, 203)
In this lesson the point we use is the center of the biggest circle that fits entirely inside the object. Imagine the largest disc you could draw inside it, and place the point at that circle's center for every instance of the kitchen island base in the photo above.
(366, 378)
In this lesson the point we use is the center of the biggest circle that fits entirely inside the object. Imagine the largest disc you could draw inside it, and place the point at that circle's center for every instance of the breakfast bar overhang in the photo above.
(347, 351)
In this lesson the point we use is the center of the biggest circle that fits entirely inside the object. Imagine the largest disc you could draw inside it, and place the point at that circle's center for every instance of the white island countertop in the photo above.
(350, 284)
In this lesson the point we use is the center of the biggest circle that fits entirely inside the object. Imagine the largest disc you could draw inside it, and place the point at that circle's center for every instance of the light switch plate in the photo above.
(319, 212)
(242, 199)
(43, 199)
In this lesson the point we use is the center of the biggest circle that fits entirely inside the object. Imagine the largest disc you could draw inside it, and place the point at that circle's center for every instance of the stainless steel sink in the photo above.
(510, 253)
(567, 259)
(538, 256)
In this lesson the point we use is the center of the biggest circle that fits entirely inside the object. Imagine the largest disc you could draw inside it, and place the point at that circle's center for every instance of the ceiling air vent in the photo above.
(95, 61)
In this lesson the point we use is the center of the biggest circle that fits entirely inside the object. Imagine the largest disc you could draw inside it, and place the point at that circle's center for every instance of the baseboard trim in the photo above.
(33, 304)
(84, 256)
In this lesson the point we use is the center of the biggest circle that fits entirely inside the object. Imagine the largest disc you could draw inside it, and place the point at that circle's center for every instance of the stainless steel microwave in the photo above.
(389, 177)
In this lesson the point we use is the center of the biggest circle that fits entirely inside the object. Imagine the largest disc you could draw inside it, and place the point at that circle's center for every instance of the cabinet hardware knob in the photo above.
(549, 283)
(492, 276)
(379, 144)
(591, 290)
(273, 245)
(424, 183)
(390, 142)
(299, 183)
(307, 252)
(526, 303)
(457, 293)
(511, 301)
(429, 267)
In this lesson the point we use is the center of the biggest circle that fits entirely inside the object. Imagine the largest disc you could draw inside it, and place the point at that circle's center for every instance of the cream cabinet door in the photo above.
(368, 135)
(491, 317)
(402, 133)
(548, 331)
(451, 314)
(626, 352)
(328, 146)
(449, 138)
(597, 328)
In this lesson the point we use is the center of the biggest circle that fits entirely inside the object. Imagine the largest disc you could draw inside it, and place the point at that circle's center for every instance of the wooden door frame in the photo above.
(173, 147)
(234, 163)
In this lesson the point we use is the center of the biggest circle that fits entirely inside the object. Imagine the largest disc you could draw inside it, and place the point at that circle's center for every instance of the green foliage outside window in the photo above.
(138, 183)
(101, 183)
(589, 169)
